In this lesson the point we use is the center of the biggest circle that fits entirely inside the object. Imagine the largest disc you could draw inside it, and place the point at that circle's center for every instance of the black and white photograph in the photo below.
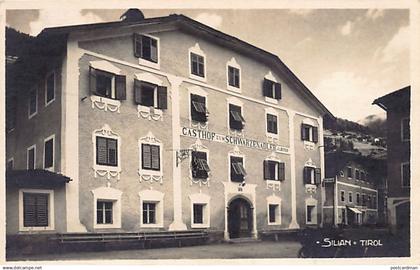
(159, 133)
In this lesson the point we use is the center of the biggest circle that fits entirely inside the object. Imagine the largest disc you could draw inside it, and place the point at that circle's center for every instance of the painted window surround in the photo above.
(270, 76)
(103, 170)
(272, 136)
(104, 103)
(274, 200)
(200, 198)
(235, 153)
(45, 87)
(150, 175)
(155, 197)
(197, 50)
(310, 145)
(51, 223)
(196, 90)
(53, 157)
(199, 146)
(233, 63)
(145, 111)
(108, 194)
(147, 63)
(274, 184)
(234, 101)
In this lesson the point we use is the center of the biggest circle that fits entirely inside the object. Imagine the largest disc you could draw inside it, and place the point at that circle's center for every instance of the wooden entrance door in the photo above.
(239, 218)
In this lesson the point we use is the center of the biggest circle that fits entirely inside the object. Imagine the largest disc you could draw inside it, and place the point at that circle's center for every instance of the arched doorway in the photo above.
(239, 218)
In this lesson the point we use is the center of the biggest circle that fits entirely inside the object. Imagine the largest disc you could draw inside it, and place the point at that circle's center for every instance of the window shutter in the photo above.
(317, 176)
(29, 210)
(120, 87)
(302, 132)
(101, 151)
(146, 156)
(162, 97)
(42, 210)
(281, 171)
(315, 134)
(92, 80)
(153, 50)
(306, 175)
(137, 91)
(112, 152)
(266, 170)
(277, 90)
(155, 157)
(137, 45)
(266, 87)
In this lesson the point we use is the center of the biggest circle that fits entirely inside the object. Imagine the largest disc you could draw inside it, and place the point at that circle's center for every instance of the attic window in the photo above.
(146, 47)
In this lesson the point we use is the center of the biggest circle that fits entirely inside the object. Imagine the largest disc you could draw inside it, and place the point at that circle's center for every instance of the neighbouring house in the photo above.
(397, 107)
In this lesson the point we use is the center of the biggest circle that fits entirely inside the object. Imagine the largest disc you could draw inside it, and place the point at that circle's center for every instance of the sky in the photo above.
(346, 57)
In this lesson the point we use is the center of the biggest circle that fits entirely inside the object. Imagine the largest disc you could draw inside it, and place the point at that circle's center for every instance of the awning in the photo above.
(355, 210)
(35, 178)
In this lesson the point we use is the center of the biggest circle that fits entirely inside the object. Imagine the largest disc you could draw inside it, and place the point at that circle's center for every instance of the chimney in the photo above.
(132, 15)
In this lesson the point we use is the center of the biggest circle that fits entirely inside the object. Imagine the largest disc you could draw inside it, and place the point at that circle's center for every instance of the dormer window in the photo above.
(146, 47)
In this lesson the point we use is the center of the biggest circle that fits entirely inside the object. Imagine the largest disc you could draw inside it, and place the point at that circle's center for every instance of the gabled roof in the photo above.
(397, 100)
(197, 28)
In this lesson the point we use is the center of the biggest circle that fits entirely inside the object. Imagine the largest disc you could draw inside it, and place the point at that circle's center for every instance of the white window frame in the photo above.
(198, 51)
(108, 194)
(342, 195)
(148, 63)
(272, 111)
(236, 153)
(55, 86)
(196, 90)
(234, 101)
(13, 163)
(402, 173)
(152, 196)
(402, 129)
(36, 103)
(51, 221)
(53, 157)
(270, 76)
(350, 196)
(311, 202)
(203, 199)
(145, 174)
(274, 200)
(27, 156)
(103, 170)
(233, 63)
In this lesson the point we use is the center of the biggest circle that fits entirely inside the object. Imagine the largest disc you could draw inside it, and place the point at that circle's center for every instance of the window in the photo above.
(150, 157)
(104, 212)
(310, 214)
(237, 170)
(35, 209)
(31, 157)
(33, 103)
(362, 176)
(236, 120)
(197, 64)
(106, 151)
(150, 95)
(199, 111)
(49, 153)
(50, 88)
(271, 89)
(10, 164)
(357, 174)
(199, 167)
(311, 175)
(198, 213)
(405, 129)
(107, 84)
(274, 170)
(363, 199)
(272, 124)
(405, 174)
(350, 197)
(233, 77)
(342, 196)
(309, 133)
(349, 172)
(369, 201)
(358, 198)
(374, 204)
(272, 213)
(149, 213)
(146, 48)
